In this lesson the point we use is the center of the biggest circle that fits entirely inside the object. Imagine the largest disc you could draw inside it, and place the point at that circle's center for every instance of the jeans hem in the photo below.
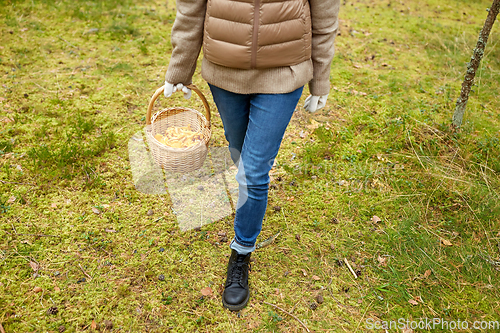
(239, 242)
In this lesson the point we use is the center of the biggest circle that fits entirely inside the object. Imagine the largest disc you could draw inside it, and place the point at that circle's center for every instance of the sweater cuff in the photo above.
(176, 73)
(319, 87)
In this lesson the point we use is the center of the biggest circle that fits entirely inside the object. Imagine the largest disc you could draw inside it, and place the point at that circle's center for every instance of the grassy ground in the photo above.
(376, 179)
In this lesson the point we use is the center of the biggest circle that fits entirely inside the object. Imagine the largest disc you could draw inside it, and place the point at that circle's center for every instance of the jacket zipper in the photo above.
(255, 36)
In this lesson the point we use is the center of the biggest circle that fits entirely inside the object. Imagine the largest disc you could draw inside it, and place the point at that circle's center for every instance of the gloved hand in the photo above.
(314, 103)
(170, 88)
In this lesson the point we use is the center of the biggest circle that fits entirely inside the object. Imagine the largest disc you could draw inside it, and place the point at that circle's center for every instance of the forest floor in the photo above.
(376, 182)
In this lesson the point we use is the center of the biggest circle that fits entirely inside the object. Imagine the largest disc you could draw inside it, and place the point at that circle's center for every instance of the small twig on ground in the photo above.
(64, 40)
(41, 297)
(331, 294)
(28, 259)
(350, 268)
(95, 250)
(4, 255)
(1, 328)
(291, 311)
(51, 91)
(5, 182)
(84, 272)
(490, 260)
(336, 300)
(37, 235)
(288, 313)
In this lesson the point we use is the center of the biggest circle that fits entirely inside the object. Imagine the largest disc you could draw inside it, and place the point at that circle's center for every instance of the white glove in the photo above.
(170, 88)
(314, 103)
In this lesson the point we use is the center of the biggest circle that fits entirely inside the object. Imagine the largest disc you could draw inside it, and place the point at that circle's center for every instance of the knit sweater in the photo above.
(187, 39)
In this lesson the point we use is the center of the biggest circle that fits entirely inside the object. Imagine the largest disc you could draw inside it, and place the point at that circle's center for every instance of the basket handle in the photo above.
(159, 91)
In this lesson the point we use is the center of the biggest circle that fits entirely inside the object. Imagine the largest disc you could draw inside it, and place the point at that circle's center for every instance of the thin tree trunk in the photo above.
(474, 64)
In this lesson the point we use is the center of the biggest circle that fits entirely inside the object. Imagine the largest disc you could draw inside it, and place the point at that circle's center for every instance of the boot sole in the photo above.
(235, 307)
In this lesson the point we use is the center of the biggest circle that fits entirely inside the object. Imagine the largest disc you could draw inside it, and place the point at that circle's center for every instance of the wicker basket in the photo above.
(178, 159)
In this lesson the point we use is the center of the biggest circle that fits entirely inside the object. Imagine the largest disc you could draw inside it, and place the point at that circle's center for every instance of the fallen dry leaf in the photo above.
(382, 261)
(303, 271)
(207, 291)
(314, 124)
(93, 325)
(96, 211)
(34, 266)
(37, 289)
(11, 199)
(446, 242)
(355, 92)
(427, 273)
(109, 230)
(316, 278)
(376, 219)
(253, 325)
(412, 302)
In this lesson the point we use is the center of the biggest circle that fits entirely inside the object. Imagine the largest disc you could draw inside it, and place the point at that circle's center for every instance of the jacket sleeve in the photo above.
(186, 38)
(325, 23)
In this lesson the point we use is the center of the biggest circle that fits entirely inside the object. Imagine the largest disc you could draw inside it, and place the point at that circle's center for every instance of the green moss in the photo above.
(76, 80)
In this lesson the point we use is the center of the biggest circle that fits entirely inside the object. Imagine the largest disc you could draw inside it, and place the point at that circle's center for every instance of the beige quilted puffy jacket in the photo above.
(288, 44)
(253, 34)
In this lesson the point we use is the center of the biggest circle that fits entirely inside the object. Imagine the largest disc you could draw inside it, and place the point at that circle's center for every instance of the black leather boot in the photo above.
(236, 293)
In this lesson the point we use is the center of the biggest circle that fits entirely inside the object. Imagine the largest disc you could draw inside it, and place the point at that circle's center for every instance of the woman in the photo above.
(258, 55)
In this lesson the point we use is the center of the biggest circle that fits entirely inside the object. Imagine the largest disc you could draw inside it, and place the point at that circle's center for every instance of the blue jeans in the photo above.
(254, 126)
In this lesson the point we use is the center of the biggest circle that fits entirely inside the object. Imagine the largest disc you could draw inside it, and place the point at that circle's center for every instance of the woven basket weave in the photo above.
(178, 159)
